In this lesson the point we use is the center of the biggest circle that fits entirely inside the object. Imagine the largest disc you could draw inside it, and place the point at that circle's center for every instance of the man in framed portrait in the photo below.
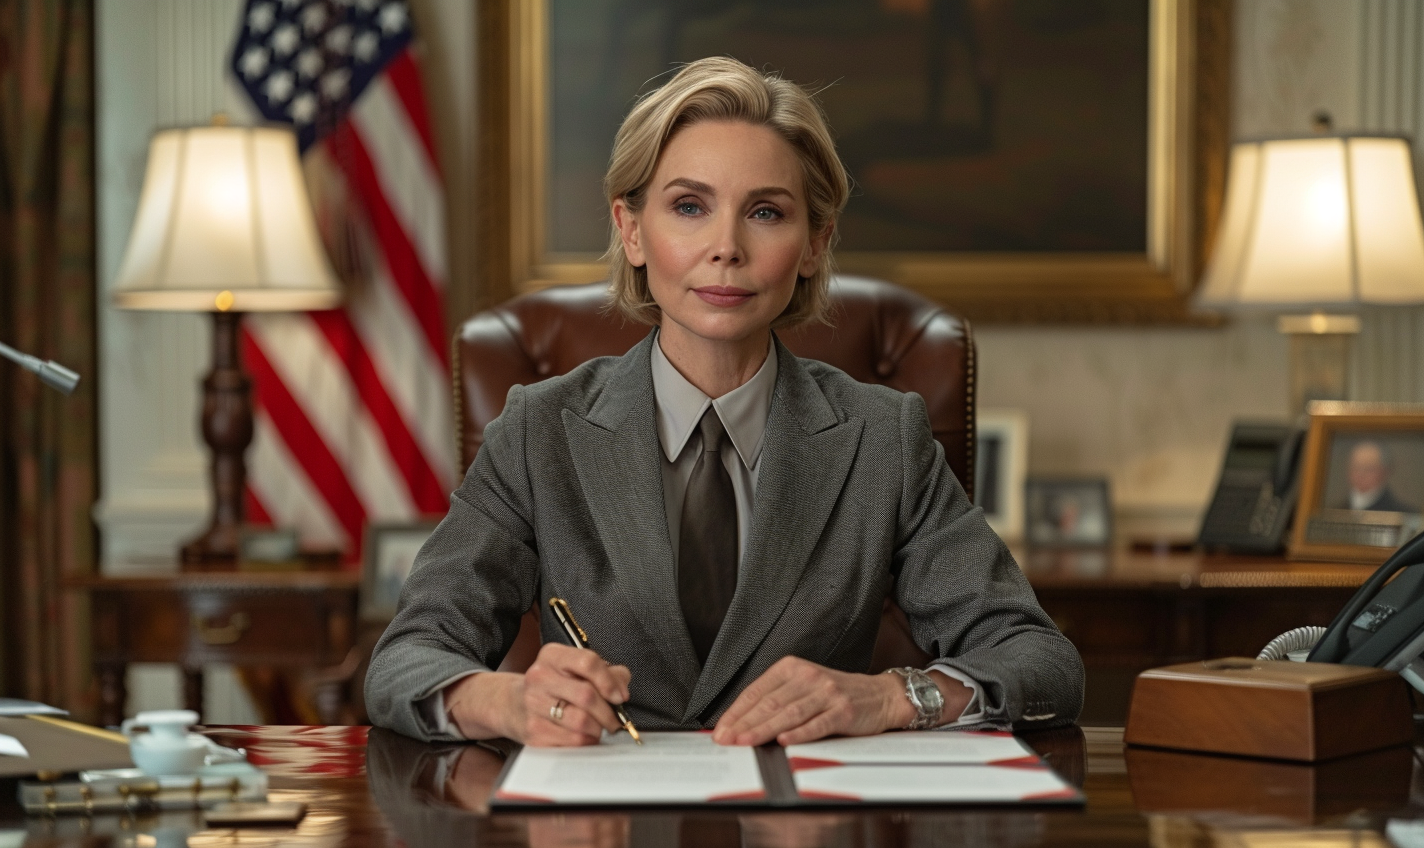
(1369, 470)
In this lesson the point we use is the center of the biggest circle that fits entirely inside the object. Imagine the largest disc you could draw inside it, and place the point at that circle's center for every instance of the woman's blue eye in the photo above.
(766, 213)
(687, 207)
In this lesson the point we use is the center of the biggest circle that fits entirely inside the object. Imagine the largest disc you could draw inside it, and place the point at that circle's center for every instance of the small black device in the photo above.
(1256, 492)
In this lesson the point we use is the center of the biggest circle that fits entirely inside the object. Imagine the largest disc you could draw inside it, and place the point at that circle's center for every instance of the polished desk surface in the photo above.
(384, 789)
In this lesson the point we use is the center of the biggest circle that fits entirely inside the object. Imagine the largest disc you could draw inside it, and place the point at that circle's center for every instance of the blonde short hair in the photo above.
(724, 89)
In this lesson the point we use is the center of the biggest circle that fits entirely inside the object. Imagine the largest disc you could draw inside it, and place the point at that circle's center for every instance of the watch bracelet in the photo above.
(927, 715)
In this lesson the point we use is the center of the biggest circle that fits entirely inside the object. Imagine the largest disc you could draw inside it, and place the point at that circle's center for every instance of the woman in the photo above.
(725, 519)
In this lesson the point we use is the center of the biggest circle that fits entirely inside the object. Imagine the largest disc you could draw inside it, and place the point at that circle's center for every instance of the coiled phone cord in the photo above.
(1298, 639)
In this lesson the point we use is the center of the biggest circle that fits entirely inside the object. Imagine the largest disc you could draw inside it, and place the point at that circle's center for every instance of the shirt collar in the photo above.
(743, 410)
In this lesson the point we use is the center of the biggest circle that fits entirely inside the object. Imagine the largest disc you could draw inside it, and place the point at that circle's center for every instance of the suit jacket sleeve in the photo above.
(967, 600)
(472, 580)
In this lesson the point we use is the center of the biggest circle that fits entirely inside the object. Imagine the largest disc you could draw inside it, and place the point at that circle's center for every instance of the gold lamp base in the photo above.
(1320, 356)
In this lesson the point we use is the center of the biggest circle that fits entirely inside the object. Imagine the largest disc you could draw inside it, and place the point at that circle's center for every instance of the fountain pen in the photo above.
(580, 640)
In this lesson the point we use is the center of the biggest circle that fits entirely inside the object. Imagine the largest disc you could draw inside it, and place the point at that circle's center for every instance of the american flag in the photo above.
(353, 421)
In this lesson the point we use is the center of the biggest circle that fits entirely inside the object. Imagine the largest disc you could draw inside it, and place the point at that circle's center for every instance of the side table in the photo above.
(287, 619)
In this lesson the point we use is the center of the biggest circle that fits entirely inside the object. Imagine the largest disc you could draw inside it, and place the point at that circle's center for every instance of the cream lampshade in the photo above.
(1318, 223)
(224, 226)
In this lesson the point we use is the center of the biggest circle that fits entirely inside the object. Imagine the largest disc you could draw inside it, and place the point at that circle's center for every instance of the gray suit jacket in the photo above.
(854, 501)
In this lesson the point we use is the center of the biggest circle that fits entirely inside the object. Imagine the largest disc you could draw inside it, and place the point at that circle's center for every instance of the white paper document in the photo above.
(669, 768)
(12, 747)
(924, 746)
(909, 784)
(938, 767)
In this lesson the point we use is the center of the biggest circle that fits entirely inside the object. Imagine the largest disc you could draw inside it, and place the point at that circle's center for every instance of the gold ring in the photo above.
(556, 712)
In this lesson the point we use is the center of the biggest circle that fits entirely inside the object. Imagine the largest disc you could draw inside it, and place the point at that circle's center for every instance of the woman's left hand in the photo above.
(798, 701)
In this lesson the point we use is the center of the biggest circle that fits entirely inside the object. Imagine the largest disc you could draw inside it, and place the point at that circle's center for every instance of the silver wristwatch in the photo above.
(924, 695)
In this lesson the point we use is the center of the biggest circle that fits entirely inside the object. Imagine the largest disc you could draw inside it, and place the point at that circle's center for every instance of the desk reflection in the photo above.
(438, 795)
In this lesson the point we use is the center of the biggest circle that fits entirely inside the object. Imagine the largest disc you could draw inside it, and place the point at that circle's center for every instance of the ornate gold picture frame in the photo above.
(1187, 141)
(1362, 482)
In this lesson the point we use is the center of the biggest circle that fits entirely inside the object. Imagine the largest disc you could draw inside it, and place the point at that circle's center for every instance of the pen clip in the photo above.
(566, 616)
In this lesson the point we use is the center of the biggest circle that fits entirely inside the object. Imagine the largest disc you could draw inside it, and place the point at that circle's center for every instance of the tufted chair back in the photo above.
(880, 333)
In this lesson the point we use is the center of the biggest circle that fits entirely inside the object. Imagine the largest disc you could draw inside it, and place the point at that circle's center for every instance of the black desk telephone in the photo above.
(1256, 492)
(1381, 626)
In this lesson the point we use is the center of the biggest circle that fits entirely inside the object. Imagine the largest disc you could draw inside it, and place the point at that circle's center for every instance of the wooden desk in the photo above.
(399, 791)
(297, 619)
(1127, 612)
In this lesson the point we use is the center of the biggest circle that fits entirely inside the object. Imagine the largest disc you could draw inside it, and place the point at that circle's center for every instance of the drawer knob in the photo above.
(221, 634)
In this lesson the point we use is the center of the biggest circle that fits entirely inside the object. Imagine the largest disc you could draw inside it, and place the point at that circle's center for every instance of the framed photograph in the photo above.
(1016, 160)
(1000, 468)
(1068, 513)
(388, 552)
(1362, 482)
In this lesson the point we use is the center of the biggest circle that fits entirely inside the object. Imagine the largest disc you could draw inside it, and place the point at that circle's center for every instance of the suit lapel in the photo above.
(616, 456)
(805, 460)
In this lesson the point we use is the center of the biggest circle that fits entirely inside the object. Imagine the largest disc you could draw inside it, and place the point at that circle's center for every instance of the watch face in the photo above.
(928, 694)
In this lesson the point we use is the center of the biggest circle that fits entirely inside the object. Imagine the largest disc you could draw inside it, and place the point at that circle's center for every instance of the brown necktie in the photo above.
(707, 545)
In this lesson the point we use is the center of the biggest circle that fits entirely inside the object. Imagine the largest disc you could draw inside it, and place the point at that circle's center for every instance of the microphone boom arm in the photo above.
(51, 373)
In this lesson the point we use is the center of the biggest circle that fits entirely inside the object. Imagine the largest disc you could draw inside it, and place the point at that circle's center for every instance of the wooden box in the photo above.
(1283, 710)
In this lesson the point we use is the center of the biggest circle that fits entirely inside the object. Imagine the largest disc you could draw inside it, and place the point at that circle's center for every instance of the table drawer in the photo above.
(205, 626)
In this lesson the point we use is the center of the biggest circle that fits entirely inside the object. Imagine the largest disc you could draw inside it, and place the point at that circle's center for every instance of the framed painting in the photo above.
(1018, 160)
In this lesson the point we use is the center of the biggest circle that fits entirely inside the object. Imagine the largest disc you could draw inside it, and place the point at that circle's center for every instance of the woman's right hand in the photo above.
(521, 706)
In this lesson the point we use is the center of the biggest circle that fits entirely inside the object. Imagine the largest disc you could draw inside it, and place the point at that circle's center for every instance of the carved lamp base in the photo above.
(227, 428)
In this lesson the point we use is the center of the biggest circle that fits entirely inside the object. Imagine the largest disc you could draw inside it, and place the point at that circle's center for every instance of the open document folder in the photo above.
(689, 769)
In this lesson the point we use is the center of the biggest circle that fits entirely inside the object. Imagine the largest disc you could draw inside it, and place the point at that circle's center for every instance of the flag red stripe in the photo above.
(409, 274)
(303, 442)
(255, 512)
(405, 79)
(420, 478)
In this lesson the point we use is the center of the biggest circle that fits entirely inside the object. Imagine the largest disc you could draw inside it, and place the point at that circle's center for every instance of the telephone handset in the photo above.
(1383, 625)
(1256, 491)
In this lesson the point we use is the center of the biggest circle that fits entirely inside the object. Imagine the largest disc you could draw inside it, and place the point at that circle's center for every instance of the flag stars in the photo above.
(335, 84)
(286, 39)
(304, 108)
(368, 46)
(310, 64)
(254, 62)
(314, 19)
(339, 39)
(261, 18)
(279, 87)
(393, 18)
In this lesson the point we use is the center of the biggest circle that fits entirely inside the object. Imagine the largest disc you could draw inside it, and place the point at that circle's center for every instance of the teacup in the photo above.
(167, 748)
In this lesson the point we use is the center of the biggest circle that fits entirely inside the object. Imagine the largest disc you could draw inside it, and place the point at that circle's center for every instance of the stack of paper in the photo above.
(21, 707)
(925, 767)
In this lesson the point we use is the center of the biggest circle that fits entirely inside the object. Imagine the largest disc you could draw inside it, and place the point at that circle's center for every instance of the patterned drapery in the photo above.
(47, 308)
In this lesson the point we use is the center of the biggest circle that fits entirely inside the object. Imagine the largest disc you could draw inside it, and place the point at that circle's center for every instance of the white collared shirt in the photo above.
(1364, 500)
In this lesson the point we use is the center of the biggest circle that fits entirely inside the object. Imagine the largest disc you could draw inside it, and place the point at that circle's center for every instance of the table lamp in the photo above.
(1315, 224)
(224, 226)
